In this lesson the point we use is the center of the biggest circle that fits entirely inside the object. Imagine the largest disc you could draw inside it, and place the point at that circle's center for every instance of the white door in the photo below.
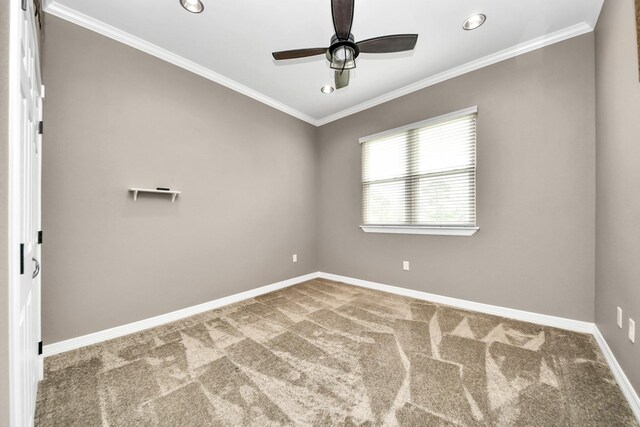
(24, 213)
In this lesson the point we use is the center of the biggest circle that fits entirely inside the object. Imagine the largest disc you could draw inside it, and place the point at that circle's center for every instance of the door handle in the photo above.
(36, 270)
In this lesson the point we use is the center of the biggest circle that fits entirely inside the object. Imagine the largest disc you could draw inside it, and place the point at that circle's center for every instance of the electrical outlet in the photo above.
(295, 257)
(619, 321)
(632, 331)
(405, 265)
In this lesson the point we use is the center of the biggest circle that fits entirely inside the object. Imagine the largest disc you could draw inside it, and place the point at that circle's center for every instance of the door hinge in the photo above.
(40, 237)
(21, 258)
(40, 127)
(40, 348)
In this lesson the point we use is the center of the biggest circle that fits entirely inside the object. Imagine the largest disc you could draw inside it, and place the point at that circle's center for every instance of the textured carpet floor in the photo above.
(325, 353)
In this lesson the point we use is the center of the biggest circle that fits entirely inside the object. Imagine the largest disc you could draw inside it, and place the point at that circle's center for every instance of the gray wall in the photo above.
(115, 118)
(4, 220)
(618, 181)
(536, 181)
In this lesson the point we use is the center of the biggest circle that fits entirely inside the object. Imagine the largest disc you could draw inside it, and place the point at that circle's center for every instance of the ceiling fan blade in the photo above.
(389, 44)
(299, 53)
(342, 12)
(342, 79)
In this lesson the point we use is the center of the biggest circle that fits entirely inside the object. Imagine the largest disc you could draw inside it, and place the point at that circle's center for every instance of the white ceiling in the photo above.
(231, 42)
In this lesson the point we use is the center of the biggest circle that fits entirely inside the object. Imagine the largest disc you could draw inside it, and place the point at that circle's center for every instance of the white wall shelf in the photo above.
(135, 192)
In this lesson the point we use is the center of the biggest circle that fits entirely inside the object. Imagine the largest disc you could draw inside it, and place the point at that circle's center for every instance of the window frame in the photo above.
(439, 230)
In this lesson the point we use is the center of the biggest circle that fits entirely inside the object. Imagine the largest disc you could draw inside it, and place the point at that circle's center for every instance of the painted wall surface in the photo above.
(118, 118)
(618, 181)
(4, 212)
(535, 188)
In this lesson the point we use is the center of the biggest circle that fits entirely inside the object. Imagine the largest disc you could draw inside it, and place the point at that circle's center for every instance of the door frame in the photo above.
(14, 197)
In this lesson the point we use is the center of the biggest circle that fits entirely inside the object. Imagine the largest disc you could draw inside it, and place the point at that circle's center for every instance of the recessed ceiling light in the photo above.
(193, 6)
(327, 89)
(474, 22)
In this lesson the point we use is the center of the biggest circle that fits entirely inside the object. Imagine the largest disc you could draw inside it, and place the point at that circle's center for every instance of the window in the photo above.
(421, 178)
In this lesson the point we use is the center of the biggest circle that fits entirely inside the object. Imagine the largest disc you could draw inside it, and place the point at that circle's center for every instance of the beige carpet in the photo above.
(324, 353)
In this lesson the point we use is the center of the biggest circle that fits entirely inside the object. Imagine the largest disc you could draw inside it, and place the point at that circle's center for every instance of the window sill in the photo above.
(434, 231)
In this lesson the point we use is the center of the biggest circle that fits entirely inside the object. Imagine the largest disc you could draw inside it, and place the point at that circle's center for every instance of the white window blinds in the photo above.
(422, 174)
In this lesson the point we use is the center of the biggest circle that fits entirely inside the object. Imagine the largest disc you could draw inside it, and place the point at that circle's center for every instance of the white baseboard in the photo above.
(525, 316)
(130, 328)
(618, 373)
(118, 331)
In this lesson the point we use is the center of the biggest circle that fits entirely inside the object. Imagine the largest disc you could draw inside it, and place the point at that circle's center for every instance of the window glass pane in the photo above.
(447, 199)
(384, 203)
(385, 158)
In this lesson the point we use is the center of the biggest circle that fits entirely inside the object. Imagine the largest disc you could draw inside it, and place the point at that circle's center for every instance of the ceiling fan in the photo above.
(343, 50)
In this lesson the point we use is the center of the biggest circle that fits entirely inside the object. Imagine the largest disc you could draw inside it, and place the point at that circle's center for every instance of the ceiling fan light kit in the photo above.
(193, 6)
(343, 50)
(342, 54)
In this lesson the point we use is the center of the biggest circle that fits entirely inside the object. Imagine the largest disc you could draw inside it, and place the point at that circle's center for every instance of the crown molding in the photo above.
(68, 14)
(107, 30)
(540, 42)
